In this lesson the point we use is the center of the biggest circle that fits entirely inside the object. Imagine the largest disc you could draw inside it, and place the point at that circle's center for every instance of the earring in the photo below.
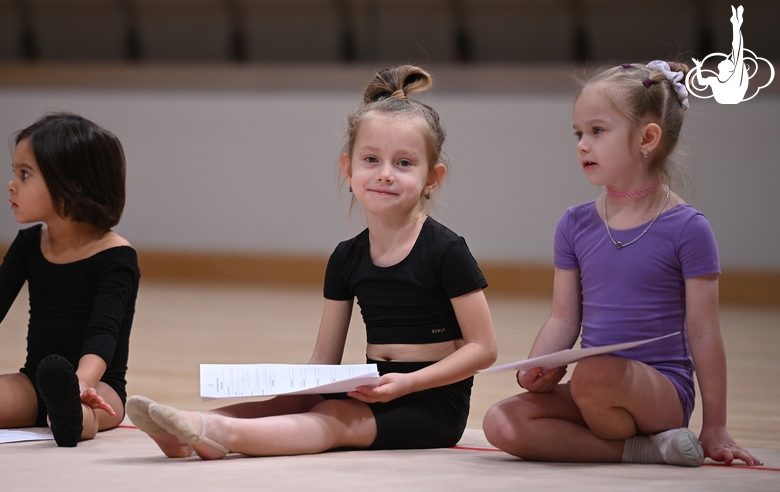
(350, 188)
(645, 153)
(427, 197)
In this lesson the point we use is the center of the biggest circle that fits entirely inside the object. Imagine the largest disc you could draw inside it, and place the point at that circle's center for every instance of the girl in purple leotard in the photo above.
(635, 263)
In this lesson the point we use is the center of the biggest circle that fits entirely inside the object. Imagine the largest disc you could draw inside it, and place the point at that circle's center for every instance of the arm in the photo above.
(12, 277)
(709, 359)
(91, 369)
(559, 332)
(332, 334)
(107, 332)
(478, 352)
(703, 82)
(116, 283)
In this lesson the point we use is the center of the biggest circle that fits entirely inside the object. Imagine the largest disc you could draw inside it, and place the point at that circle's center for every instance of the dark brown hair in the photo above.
(83, 166)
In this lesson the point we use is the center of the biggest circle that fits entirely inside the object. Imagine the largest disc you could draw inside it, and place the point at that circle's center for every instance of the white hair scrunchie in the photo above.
(674, 78)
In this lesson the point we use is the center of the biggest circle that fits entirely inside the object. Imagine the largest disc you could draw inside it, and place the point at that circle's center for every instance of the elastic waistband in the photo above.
(402, 367)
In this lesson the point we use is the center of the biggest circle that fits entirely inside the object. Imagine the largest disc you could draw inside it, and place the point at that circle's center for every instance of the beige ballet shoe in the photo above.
(137, 408)
(175, 422)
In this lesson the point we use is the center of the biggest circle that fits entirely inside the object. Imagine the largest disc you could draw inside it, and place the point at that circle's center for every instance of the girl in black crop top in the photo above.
(418, 288)
(69, 174)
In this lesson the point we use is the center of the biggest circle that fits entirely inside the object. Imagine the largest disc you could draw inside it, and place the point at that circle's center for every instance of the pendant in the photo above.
(618, 245)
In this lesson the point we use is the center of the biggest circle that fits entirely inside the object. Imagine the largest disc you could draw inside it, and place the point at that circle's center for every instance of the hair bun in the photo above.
(398, 82)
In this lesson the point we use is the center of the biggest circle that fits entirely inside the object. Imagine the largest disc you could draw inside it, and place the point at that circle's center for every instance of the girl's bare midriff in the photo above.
(425, 352)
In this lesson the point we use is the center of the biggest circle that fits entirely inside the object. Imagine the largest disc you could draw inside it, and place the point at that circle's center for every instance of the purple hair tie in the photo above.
(647, 82)
(626, 65)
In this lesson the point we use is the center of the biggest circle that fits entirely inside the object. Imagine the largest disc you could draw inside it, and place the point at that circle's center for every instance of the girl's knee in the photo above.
(504, 422)
(594, 377)
(599, 389)
(19, 405)
(495, 425)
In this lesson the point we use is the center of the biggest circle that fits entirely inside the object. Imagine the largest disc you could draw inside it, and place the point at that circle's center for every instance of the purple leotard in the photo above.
(638, 291)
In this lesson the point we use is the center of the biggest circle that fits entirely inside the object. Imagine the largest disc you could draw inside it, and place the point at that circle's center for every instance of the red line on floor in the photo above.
(745, 467)
(719, 465)
(468, 448)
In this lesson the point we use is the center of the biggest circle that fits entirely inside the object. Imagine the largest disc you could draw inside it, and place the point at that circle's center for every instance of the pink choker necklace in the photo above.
(634, 193)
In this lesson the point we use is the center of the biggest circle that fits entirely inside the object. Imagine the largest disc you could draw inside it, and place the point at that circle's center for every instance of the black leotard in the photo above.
(79, 308)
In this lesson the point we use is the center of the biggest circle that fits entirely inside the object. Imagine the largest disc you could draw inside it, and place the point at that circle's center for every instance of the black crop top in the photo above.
(78, 308)
(408, 302)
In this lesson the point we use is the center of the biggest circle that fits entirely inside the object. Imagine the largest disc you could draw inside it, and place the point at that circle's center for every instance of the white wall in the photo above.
(256, 171)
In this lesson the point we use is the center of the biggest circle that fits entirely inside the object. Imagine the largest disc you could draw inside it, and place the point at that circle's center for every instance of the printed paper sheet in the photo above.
(250, 380)
(29, 434)
(569, 356)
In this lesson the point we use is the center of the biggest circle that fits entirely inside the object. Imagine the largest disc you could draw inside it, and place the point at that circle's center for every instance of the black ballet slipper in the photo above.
(59, 387)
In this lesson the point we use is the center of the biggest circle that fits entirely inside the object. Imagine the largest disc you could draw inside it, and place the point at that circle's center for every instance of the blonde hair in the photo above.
(644, 95)
(388, 93)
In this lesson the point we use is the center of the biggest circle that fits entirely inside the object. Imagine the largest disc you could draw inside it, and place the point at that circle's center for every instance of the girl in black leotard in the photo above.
(420, 293)
(69, 174)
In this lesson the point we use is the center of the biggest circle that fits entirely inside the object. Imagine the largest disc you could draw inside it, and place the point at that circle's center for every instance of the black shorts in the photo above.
(432, 418)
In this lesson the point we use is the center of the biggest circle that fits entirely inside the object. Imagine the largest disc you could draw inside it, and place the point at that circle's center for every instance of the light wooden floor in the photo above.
(177, 327)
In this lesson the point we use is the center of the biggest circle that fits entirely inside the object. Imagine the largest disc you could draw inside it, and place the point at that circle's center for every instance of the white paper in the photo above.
(250, 380)
(569, 356)
(31, 434)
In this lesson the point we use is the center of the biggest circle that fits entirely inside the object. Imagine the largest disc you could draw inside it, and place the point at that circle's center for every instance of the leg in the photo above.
(173, 447)
(736, 37)
(98, 420)
(547, 427)
(328, 425)
(19, 403)
(280, 405)
(58, 385)
(619, 398)
(628, 400)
